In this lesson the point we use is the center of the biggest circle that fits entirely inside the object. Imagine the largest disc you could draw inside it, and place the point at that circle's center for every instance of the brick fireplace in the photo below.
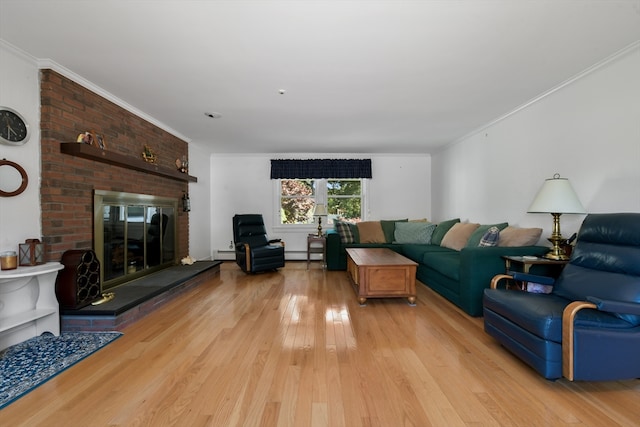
(68, 181)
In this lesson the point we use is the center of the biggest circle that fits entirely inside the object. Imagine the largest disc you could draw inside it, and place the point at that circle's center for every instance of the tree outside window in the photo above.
(298, 198)
(344, 199)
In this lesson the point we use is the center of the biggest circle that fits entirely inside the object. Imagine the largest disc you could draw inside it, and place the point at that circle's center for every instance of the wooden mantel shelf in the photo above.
(93, 153)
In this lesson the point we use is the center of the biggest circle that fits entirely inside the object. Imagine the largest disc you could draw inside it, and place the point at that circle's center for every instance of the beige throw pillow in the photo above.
(458, 235)
(371, 232)
(513, 236)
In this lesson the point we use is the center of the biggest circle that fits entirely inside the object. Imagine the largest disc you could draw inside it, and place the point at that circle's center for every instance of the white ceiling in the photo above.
(360, 76)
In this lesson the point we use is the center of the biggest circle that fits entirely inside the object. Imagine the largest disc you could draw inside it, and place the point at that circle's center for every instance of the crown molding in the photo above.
(18, 52)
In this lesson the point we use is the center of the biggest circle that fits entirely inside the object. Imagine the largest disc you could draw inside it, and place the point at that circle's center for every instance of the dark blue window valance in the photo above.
(320, 168)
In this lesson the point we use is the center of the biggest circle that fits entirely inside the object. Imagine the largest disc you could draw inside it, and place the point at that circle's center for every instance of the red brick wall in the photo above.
(67, 182)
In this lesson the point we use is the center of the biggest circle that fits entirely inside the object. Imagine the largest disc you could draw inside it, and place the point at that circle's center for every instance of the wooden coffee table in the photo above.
(381, 273)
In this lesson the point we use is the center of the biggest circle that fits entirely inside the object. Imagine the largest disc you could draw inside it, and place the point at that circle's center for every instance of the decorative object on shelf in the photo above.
(148, 155)
(14, 129)
(186, 202)
(14, 184)
(320, 210)
(86, 137)
(8, 260)
(90, 137)
(101, 141)
(556, 197)
(182, 164)
(31, 252)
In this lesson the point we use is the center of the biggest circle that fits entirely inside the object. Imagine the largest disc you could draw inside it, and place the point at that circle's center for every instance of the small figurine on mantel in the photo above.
(148, 155)
(182, 164)
(90, 137)
(85, 137)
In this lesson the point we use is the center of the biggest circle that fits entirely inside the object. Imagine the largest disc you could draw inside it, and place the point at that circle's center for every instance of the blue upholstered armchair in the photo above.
(254, 252)
(588, 327)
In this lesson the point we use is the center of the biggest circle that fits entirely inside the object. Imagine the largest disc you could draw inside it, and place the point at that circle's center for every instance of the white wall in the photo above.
(200, 215)
(20, 90)
(400, 188)
(588, 131)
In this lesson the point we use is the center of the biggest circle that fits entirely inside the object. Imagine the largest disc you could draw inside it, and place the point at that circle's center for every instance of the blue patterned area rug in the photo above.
(25, 366)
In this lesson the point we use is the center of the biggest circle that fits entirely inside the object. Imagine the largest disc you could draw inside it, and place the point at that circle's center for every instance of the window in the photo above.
(298, 197)
(344, 199)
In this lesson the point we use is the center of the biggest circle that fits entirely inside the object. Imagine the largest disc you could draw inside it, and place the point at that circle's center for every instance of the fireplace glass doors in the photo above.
(134, 234)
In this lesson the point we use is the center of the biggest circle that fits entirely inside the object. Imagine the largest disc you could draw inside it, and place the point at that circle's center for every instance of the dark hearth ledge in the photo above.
(137, 298)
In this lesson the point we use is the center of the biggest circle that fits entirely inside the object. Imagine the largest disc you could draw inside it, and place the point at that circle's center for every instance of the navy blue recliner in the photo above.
(254, 252)
(588, 327)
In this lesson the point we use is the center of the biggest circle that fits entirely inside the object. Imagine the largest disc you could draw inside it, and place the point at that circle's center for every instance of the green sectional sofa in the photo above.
(459, 275)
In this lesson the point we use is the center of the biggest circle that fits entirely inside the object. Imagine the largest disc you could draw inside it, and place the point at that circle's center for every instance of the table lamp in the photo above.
(319, 211)
(557, 197)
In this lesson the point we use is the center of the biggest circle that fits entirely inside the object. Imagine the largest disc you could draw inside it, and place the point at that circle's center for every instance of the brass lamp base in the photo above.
(556, 253)
(319, 226)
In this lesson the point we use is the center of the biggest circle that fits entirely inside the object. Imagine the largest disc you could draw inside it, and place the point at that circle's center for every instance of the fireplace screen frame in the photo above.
(142, 220)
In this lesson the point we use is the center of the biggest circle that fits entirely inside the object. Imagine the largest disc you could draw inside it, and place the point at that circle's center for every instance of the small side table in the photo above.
(316, 245)
(525, 263)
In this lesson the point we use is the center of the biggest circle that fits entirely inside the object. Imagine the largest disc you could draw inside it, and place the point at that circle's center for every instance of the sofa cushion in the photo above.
(474, 239)
(490, 238)
(413, 232)
(441, 230)
(512, 236)
(458, 235)
(445, 263)
(344, 231)
(389, 227)
(416, 251)
(371, 232)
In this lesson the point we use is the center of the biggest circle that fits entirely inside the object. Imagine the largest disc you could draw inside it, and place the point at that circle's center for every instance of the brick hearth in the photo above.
(138, 298)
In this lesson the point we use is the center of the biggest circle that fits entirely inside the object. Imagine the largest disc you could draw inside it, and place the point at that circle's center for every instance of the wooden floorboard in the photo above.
(294, 348)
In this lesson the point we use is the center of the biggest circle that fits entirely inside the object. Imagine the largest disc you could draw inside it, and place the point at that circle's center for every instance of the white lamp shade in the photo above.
(557, 196)
(320, 210)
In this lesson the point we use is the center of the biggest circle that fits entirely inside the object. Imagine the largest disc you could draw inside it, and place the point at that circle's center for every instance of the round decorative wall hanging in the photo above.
(13, 178)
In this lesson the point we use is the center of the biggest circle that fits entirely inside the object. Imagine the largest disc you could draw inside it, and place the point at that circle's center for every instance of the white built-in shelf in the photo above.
(28, 304)
(10, 322)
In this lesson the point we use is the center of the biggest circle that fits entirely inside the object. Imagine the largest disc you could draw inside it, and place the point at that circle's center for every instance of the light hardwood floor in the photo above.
(294, 348)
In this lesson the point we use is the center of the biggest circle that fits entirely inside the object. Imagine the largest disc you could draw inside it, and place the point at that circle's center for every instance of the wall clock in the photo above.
(14, 129)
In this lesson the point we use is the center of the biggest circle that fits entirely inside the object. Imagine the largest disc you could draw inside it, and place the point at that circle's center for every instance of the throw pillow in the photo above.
(474, 240)
(389, 227)
(371, 232)
(512, 236)
(354, 230)
(414, 232)
(458, 235)
(344, 231)
(441, 230)
(490, 237)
